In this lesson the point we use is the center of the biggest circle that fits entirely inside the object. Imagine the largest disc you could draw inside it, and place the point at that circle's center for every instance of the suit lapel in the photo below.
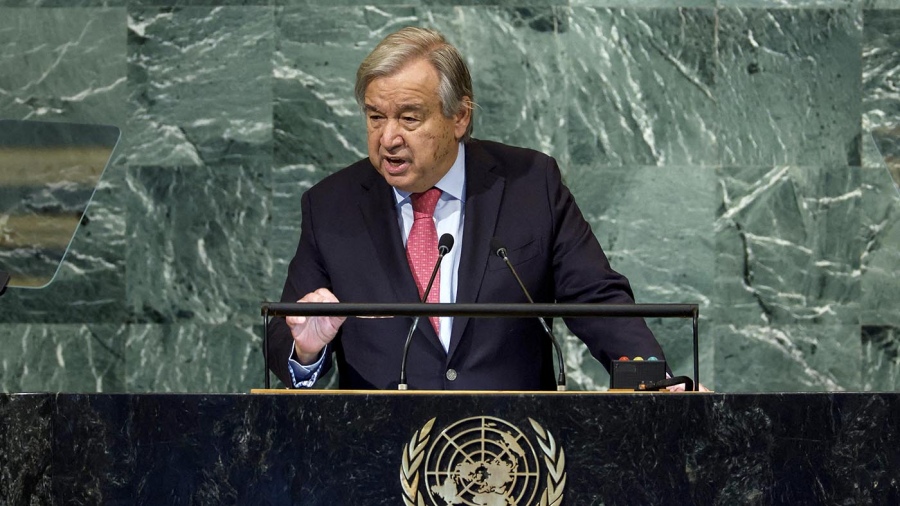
(484, 192)
(379, 210)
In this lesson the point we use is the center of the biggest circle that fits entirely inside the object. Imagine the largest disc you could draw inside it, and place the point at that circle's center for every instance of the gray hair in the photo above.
(408, 44)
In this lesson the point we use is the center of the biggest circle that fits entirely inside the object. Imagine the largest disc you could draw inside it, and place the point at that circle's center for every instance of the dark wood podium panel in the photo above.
(393, 448)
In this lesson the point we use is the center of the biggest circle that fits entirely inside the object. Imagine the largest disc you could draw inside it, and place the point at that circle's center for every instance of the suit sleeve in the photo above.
(582, 273)
(306, 273)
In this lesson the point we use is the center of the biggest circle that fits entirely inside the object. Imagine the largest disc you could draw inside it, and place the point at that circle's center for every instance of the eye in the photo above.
(410, 119)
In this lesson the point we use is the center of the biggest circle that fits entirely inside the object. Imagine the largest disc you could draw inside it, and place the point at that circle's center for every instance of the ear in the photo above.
(463, 117)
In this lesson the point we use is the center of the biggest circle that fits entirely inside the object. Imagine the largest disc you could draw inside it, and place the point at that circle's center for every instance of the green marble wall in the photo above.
(733, 153)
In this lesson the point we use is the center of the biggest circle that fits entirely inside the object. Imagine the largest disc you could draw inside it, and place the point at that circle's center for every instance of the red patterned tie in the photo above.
(422, 246)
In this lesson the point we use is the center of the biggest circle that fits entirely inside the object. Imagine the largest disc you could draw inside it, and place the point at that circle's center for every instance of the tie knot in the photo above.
(425, 202)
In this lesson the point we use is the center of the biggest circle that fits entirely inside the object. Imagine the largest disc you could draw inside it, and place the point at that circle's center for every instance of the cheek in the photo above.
(373, 140)
(443, 149)
(373, 149)
(445, 141)
(430, 145)
(437, 137)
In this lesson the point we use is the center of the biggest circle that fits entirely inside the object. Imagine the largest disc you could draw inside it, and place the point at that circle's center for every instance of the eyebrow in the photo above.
(411, 108)
(402, 108)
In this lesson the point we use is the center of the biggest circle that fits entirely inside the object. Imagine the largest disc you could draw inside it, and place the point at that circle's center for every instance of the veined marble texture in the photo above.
(193, 357)
(646, 218)
(67, 65)
(276, 449)
(62, 357)
(198, 250)
(787, 4)
(200, 88)
(767, 114)
(63, 65)
(881, 85)
(730, 153)
(26, 452)
(786, 358)
(641, 86)
(788, 245)
(880, 220)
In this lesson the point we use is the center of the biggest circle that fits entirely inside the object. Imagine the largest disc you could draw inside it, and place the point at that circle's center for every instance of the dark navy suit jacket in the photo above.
(350, 242)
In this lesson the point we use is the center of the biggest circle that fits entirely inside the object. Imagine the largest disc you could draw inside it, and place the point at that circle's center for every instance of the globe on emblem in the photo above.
(482, 461)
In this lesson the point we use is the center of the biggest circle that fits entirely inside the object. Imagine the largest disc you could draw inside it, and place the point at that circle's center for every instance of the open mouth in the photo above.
(395, 165)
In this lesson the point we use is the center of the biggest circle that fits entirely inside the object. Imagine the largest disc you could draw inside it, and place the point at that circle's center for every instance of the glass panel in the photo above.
(48, 174)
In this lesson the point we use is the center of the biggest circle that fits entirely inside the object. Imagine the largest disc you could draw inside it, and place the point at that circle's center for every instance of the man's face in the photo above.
(411, 142)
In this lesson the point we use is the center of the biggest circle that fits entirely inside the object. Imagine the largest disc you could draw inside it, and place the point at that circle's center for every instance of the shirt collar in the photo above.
(453, 184)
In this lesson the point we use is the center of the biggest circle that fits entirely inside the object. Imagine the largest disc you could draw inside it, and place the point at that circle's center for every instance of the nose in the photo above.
(390, 136)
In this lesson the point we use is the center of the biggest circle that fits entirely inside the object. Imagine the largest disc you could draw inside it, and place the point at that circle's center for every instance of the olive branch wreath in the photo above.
(413, 453)
(556, 465)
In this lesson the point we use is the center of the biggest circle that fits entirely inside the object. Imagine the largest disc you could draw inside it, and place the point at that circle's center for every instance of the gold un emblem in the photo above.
(482, 461)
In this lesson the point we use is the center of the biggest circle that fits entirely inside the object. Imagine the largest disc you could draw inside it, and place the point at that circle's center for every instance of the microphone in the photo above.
(498, 249)
(445, 244)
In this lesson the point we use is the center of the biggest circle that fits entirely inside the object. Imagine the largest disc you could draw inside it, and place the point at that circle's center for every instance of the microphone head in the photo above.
(497, 248)
(445, 244)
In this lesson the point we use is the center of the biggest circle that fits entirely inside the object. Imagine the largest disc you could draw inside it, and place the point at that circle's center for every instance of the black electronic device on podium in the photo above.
(49, 172)
(643, 377)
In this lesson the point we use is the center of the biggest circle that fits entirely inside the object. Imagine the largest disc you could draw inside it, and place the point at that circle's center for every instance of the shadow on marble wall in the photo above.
(734, 154)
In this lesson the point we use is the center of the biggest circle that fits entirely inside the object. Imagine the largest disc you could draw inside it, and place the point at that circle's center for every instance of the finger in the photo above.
(310, 297)
(295, 323)
(315, 297)
(325, 295)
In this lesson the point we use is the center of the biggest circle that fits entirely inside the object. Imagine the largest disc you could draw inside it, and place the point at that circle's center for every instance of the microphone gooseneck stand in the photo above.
(500, 251)
(445, 244)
